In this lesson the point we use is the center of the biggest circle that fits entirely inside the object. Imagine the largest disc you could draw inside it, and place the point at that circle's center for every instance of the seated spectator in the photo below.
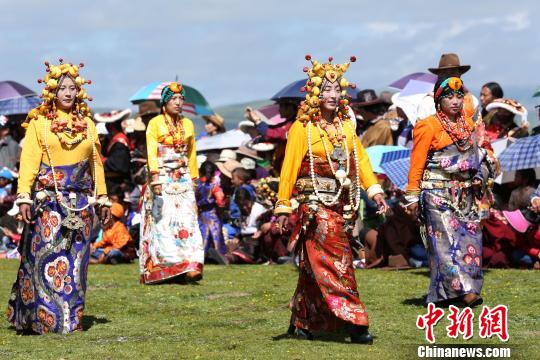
(245, 249)
(525, 181)
(490, 91)
(116, 245)
(6, 192)
(210, 201)
(500, 120)
(272, 241)
(11, 228)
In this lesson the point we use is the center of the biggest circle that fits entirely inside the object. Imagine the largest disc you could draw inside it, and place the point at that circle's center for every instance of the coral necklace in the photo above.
(459, 131)
(177, 133)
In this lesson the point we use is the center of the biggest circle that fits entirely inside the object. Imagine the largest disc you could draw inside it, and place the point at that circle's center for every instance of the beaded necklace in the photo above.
(342, 179)
(60, 126)
(59, 196)
(458, 131)
(177, 133)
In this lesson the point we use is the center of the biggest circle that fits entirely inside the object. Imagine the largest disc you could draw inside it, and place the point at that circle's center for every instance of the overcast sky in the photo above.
(235, 51)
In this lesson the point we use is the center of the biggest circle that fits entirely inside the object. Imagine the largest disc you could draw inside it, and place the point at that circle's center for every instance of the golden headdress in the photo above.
(52, 80)
(309, 109)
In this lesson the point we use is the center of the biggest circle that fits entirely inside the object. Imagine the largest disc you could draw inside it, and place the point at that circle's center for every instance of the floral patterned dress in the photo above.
(450, 214)
(326, 297)
(48, 295)
(171, 241)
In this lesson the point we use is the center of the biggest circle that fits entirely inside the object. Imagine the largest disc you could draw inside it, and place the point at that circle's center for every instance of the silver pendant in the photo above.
(338, 154)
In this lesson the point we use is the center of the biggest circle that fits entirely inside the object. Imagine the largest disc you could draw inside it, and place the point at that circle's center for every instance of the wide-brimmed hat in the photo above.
(227, 154)
(227, 167)
(248, 163)
(511, 105)
(149, 107)
(450, 61)
(246, 151)
(517, 220)
(246, 125)
(262, 146)
(132, 125)
(113, 116)
(215, 119)
(368, 97)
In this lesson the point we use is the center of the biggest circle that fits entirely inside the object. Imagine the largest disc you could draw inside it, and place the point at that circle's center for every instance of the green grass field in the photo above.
(240, 312)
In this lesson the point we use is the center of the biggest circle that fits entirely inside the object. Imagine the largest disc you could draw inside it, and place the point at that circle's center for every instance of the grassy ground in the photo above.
(241, 312)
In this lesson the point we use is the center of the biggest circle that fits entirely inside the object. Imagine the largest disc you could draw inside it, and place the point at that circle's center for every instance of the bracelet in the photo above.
(104, 201)
(23, 198)
(283, 210)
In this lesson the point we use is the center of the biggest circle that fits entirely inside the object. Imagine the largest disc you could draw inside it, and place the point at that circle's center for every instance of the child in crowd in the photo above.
(116, 244)
(210, 202)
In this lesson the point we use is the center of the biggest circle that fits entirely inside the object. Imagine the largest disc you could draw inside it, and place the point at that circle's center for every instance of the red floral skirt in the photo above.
(326, 297)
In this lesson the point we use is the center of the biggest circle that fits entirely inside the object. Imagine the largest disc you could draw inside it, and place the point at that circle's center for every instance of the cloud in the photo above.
(237, 51)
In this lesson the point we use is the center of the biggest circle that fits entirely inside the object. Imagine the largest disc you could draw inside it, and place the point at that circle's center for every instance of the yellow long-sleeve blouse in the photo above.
(297, 147)
(157, 133)
(34, 153)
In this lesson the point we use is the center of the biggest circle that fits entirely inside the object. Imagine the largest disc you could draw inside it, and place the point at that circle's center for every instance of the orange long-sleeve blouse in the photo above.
(428, 135)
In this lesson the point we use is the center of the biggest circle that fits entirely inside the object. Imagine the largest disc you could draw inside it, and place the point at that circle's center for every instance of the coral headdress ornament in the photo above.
(169, 90)
(53, 80)
(318, 75)
(449, 87)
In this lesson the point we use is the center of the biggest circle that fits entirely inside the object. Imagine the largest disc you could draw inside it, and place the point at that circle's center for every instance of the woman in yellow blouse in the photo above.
(61, 179)
(327, 165)
(171, 246)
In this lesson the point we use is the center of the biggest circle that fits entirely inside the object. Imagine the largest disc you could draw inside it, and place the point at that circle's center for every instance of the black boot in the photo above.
(361, 335)
(302, 334)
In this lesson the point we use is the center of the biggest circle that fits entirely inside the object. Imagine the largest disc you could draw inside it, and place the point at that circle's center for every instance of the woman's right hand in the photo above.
(26, 213)
(250, 115)
(282, 223)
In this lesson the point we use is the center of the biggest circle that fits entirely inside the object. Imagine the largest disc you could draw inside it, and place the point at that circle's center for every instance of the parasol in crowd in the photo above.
(396, 165)
(523, 154)
(377, 152)
(16, 99)
(194, 102)
(401, 83)
(228, 140)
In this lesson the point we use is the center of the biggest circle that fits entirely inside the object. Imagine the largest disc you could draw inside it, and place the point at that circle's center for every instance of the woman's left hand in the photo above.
(381, 204)
(105, 215)
(477, 187)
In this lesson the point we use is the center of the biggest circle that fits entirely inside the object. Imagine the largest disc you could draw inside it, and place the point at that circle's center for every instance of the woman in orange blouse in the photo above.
(448, 176)
(171, 246)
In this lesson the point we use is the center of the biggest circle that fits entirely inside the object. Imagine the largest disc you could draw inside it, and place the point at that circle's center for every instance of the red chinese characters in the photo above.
(491, 322)
(494, 322)
(460, 323)
(429, 321)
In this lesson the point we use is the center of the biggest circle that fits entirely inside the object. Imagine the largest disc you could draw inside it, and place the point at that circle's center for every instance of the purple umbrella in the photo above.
(420, 76)
(12, 90)
(415, 87)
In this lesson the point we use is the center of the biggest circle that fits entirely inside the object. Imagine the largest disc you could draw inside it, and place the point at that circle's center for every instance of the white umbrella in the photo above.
(230, 139)
(409, 104)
